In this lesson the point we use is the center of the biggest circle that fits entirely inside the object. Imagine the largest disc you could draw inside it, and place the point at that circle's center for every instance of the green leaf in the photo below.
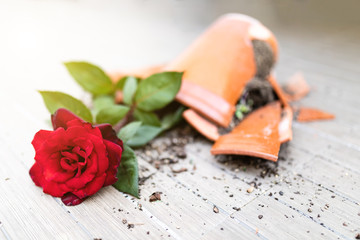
(120, 84)
(90, 77)
(239, 114)
(128, 173)
(147, 118)
(112, 114)
(158, 90)
(144, 135)
(129, 90)
(55, 100)
(172, 119)
(243, 108)
(101, 102)
(129, 131)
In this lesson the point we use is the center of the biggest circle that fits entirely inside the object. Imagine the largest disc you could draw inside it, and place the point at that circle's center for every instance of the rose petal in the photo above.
(108, 133)
(52, 169)
(92, 187)
(39, 138)
(56, 142)
(61, 117)
(78, 123)
(114, 156)
(69, 165)
(36, 174)
(54, 189)
(69, 199)
(83, 131)
(70, 155)
(85, 145)
(90, 173)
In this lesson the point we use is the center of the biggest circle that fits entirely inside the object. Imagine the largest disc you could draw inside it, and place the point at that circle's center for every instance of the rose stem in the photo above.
(128, 117)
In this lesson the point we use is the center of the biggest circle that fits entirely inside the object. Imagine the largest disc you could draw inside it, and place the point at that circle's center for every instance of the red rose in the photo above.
(76, 159)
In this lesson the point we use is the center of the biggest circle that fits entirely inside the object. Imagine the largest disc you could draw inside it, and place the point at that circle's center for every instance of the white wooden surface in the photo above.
(319, 170)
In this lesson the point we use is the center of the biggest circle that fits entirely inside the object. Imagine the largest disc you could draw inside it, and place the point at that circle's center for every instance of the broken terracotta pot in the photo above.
(217, 67)
(257, 135)
(202, 125)
(296, 87)
(311, 114)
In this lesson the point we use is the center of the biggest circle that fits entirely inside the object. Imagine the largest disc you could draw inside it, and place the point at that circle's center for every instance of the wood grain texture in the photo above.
(314, 194)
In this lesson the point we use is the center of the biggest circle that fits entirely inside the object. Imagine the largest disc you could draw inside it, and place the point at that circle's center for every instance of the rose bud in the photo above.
(76, 159)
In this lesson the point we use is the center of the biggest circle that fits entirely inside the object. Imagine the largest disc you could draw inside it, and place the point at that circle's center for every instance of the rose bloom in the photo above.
(76, 159)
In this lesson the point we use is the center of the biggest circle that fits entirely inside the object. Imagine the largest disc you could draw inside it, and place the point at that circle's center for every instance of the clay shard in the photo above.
(257, 135)
(203, 126)
(278, 91)
(312, 114)
(212, 106)
(285, 126)
(296, 87)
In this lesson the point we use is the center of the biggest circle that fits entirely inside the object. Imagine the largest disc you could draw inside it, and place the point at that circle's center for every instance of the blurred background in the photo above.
(38, 35)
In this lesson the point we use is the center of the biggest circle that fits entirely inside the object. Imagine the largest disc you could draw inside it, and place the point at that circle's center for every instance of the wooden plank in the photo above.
(190, 213)
(229, 229)
(281, 221)
(323, 157)
(27, 213)
(319, 176)
(108, 214)
(329, 210)
(331, 148)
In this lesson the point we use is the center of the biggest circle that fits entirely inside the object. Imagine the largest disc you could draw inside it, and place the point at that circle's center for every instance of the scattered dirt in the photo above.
(215, 209)
(242, 163)
(179, 170)
(250, 189)
(171, 149)
(156, 196)
(143, 179)
(167, 152)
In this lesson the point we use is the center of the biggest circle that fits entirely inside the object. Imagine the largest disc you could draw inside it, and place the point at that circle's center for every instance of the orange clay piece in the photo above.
(278, 91)
(203, 126)
(221, 62)
(296, 87)
(209, 104)
(312, 114)
(257, 135)
(285, 130)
